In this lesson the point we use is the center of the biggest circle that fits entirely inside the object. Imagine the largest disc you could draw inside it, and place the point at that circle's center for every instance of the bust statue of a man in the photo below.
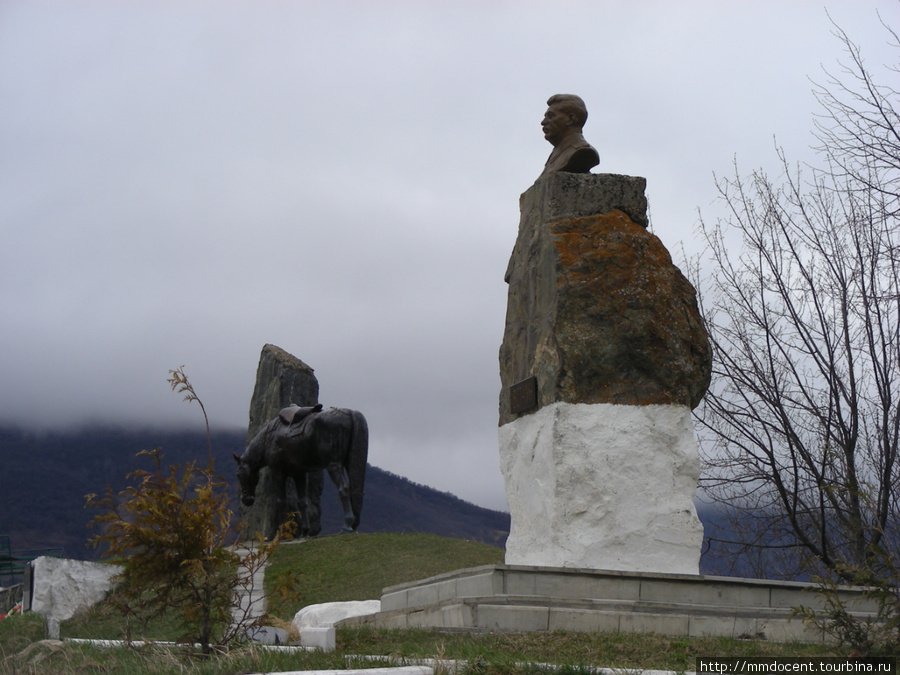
(562, 125)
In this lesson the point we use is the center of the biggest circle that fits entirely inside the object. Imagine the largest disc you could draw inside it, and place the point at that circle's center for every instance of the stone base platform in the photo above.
(517, 598)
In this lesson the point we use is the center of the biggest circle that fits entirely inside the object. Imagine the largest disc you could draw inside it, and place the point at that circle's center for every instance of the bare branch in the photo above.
(803, 418)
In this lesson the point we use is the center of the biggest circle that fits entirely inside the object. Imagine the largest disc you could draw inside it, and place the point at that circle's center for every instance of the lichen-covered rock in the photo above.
(281, 379)
(597, 312)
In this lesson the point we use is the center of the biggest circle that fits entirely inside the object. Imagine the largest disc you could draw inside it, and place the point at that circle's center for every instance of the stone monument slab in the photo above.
(596, 310)
(63, 587)
(281, 380)
(602, 466)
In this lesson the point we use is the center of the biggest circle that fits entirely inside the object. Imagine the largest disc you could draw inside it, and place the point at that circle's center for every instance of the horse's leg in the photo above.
(336, 471)
(300, 478)
(279, 481)
(315, 482)
(292, 503)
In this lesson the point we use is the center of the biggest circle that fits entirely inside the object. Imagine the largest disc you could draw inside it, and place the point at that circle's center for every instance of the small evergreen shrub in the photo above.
(172, 531)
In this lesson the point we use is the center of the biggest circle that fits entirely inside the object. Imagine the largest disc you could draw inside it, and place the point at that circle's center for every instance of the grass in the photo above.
(485, 653)
(503, 650)
(43, 657)
(357, 567)
(326, 569)
(19, 631)
(105, 622)
(360, 566)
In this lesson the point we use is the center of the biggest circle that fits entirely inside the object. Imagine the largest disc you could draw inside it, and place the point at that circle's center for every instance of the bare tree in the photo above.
(858, 130)
(803, 309)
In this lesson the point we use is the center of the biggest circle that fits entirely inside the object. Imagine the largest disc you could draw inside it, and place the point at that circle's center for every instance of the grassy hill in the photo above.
(358, 567)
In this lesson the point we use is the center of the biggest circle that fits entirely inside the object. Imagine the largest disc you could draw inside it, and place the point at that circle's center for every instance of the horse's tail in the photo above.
(356, 462)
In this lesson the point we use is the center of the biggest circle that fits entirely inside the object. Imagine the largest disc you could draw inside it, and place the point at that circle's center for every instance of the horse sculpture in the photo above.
(307, 439)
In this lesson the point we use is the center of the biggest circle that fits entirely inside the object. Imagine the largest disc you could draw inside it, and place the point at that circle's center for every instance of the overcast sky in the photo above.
(184, 182)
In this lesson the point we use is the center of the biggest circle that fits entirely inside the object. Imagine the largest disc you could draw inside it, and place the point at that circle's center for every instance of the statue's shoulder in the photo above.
(575, 155)
(583, 158)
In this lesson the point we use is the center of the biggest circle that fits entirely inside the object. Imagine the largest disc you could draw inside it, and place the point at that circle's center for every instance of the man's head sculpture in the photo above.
(562, 125)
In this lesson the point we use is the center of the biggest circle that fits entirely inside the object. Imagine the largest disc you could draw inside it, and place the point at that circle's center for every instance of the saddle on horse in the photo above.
(295, 413)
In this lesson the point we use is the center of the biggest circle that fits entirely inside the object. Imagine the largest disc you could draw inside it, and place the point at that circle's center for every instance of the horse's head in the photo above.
(247, 478)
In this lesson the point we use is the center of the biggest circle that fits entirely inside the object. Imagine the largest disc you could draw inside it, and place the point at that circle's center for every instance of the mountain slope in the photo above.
(44, 478)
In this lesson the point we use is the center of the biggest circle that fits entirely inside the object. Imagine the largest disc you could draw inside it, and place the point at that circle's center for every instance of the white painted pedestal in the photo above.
(601, 486)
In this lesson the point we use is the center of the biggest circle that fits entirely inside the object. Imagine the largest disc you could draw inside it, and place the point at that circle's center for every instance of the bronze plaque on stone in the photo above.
(523, 395)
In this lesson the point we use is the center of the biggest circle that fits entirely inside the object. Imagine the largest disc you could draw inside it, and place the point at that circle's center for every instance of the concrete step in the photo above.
(502, 597)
